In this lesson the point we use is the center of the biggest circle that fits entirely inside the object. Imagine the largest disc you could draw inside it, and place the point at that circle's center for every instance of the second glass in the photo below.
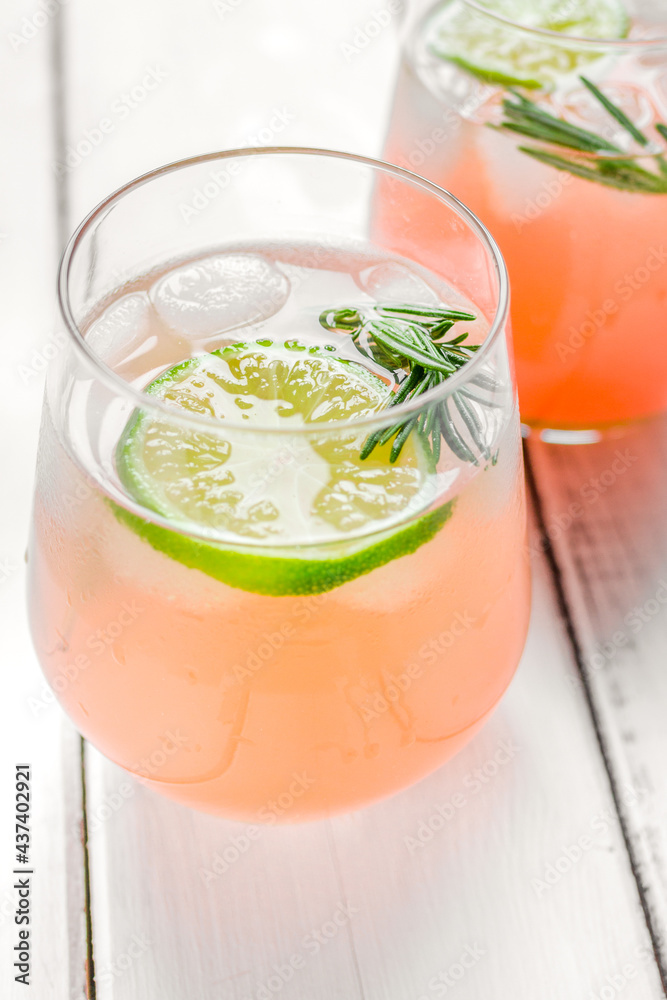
(500, 114)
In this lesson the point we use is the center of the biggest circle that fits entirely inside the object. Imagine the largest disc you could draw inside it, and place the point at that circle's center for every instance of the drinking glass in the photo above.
(235, 606)
(582, 230)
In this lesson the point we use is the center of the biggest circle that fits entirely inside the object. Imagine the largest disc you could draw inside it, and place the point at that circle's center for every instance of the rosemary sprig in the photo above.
(409, 338)
(620, 171)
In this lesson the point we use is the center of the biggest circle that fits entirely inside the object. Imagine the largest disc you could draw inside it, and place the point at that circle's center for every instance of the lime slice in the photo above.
(279, 496)
(501, 54)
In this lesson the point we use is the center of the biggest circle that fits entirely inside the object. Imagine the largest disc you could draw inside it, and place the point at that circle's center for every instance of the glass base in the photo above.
(587, 435)
(555, 435)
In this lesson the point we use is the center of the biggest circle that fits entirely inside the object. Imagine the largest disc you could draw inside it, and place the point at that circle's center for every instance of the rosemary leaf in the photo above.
(425, 314)
(401, 438)
(550, 124)
(410, 337)
(436, 447)
(587, 173)
(484, 381)
(453, 438)
(388, 338)
(615, 112)
(622, 172)
(369, 444)
(471, 421)
(478, 399)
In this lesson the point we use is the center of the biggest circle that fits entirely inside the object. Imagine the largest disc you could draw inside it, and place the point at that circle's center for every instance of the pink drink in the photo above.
(587, 263)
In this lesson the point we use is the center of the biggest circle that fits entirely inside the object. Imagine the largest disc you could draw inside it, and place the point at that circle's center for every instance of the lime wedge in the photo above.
(275, 498)
(501, 54)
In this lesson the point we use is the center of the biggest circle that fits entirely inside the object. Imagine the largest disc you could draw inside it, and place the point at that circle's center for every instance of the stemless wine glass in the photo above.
(580, 209)
(232, 594)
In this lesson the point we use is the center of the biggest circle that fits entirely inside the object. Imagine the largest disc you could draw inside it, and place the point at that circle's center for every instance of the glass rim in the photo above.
(148, 403)
(562, 38)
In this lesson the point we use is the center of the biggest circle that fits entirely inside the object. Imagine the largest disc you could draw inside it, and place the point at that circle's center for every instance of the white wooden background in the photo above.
(126, 914)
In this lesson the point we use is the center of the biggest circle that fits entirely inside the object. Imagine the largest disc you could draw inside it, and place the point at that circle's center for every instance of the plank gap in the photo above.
(59, 118)
(91, 989)
(338, 874)
(59, 115)
(577, 652)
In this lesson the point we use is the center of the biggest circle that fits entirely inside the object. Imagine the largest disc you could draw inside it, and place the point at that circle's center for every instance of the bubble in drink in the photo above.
(221, 293)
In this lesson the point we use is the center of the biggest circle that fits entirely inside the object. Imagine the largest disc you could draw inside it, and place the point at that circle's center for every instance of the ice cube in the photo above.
(220, 293)
(580, 109)
(125, 322)
(394, 282)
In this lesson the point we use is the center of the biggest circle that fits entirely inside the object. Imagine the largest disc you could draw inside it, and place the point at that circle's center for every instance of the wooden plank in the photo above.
(506, 866)
(208, 908)
(32, 729)
(604, 509)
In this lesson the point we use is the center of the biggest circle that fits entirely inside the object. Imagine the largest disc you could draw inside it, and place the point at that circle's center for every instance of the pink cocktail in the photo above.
(229, 599)
(582, 231)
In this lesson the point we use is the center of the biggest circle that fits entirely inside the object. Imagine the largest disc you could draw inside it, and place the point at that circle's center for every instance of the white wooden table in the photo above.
(550, 881)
